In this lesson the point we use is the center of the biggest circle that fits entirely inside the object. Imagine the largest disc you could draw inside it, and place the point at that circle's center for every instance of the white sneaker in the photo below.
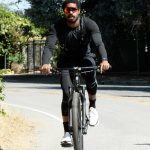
(66, 140)
(93, 116)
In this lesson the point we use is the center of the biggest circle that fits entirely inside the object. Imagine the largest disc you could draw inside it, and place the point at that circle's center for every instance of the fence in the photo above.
(34, 55)
(125, 56)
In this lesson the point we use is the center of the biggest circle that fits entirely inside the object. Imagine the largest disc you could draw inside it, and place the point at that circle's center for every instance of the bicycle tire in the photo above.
(77, 122)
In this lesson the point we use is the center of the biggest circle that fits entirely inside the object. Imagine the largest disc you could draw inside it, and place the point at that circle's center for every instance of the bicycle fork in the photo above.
(85, 120)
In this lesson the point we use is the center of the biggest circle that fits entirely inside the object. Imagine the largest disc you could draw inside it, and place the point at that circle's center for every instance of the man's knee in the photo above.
(89, 61)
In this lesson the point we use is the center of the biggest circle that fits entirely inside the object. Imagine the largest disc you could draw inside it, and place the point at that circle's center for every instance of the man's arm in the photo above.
(48, 50)
(49, 46)
(100, 47)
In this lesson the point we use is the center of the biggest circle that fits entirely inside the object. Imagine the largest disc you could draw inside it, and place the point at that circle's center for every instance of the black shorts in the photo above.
(90, 77)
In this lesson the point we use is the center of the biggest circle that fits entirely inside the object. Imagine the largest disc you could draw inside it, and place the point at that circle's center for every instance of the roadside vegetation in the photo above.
(15, 32)
(2, 96)
(120, 21)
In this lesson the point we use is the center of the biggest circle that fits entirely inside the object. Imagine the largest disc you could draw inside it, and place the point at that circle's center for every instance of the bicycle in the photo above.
(78, 118)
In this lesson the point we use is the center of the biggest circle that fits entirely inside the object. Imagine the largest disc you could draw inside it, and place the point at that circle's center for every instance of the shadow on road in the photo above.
(125, 88)
(135, 96)
(55, 86)
(1, 148)
(116, 84)
(143, 144)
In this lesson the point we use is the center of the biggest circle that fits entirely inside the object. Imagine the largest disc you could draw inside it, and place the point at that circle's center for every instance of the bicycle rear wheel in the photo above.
(77, 122)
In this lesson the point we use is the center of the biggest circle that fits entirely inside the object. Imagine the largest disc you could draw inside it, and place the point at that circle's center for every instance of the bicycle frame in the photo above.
(77, 87)
(78, 119)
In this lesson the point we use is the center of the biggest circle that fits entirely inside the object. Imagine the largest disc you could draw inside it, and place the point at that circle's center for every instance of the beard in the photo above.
(72, 19)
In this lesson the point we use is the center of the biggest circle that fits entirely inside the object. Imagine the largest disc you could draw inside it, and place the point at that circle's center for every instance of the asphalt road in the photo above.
(124, 113)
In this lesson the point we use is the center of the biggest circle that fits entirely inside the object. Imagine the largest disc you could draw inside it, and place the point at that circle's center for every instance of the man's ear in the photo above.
(79, 11)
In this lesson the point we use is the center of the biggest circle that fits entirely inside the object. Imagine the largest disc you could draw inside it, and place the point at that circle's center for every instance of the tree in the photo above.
(44, 12)
(111, 15)
(15, 31)
(118, 20)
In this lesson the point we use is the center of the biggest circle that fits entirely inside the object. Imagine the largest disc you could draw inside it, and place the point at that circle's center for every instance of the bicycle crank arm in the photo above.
(85, 127)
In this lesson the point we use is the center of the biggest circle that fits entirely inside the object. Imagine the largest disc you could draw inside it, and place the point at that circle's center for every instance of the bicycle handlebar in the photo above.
(77, 69)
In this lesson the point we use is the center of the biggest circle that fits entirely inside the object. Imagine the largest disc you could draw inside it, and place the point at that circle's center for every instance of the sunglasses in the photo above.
(67, 10)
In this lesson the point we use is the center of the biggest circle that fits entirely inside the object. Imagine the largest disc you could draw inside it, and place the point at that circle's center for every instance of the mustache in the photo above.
(70, 16)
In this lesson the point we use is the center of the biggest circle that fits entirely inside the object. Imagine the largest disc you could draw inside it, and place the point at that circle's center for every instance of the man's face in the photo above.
(71, 12)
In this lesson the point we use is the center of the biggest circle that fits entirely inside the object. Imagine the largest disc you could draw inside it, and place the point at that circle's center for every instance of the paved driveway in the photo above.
(124, 115)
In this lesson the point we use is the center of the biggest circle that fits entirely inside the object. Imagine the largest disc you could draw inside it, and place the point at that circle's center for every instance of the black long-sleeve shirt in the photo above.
(74, 42)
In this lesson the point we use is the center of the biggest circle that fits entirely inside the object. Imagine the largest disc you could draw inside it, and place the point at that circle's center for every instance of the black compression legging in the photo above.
(66, 83)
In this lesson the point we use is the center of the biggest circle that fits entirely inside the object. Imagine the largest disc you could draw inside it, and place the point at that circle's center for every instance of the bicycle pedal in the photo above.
(84, 132)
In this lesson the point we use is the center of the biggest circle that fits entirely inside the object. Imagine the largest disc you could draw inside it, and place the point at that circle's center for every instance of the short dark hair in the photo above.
(71, 1)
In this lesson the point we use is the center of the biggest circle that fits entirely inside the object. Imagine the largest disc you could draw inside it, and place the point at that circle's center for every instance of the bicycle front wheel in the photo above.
(77, 121)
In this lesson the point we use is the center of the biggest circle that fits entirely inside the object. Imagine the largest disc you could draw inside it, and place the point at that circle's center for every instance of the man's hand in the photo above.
(46, 69)
(104, 65)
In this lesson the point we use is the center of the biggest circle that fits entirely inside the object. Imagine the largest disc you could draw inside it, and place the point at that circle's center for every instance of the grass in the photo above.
(16, 133)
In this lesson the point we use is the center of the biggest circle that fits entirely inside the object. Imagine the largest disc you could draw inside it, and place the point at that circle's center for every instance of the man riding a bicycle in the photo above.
(75, 35)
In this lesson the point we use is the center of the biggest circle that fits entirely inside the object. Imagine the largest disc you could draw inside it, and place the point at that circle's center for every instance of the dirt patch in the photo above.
(16, 133)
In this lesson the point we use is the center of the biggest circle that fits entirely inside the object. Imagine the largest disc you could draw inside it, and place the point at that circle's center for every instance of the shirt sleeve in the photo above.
(97, 39)
(49, 45)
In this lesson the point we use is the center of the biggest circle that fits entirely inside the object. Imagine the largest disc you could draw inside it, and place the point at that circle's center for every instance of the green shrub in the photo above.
(15, 32)
(2, 96)
(5, 71)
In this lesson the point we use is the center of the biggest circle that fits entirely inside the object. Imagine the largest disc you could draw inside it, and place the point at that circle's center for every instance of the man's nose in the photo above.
(71, 12)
